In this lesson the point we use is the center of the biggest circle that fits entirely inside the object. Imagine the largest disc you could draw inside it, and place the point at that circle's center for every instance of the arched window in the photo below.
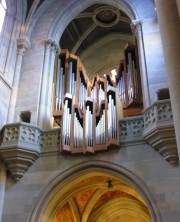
(2, 13)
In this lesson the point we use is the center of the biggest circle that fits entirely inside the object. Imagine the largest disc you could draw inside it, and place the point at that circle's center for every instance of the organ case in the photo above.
(87, 111)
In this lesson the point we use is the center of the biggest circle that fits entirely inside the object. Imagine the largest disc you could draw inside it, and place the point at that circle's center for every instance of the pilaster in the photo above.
(136, 27)
(44, 114)
(22, 45)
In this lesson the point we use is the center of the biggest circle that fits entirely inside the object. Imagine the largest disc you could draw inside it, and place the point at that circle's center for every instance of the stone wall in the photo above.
(161, 179)
(46, 26)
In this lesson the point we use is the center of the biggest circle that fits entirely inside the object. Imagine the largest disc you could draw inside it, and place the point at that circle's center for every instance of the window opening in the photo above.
(25, 116)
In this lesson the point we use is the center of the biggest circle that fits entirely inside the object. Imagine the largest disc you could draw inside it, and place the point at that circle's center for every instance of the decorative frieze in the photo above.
(159, 130)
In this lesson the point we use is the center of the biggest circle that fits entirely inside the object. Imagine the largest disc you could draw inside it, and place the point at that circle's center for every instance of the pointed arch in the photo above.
(62, 15)
(49, 197)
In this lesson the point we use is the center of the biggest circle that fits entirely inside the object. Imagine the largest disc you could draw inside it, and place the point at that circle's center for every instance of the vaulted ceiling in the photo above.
(92, 25)
(97, 35)
(101, 198)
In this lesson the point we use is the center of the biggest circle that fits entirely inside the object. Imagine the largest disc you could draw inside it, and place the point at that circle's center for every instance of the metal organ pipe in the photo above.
(129, 77)
(94, 93)
(101, 93)
(66, 127)
(100, 129)
(112, 118)
(82, 94)
(78, 132)
(89, 128)
(59, 87)
(109, 117)
(121, 88)
(71, 80)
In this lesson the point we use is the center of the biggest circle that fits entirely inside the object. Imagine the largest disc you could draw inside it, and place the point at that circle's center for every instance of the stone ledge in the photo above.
(159, 130)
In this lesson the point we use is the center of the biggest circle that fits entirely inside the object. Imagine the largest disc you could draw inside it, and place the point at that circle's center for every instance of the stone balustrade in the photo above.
(30, 136)
(131, 129)
(159, 130)
(22, 143)
(159, 113)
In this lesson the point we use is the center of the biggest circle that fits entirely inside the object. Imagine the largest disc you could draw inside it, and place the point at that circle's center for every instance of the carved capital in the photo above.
(136, 26)
(55, 47)
(52, 45)
(22, 45)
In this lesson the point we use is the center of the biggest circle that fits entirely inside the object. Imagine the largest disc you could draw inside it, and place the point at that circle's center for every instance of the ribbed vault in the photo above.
(99, 197)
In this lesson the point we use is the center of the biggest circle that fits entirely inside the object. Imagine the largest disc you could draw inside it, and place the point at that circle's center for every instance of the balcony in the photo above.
(23, 143)
(159, 130)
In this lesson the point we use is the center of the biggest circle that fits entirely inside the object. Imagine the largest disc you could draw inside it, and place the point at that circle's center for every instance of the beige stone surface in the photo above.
(161, 39)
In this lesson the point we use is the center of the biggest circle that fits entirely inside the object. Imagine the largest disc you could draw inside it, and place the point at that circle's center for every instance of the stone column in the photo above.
(2, 187)
(178, 6)
(54, 51)
(136, 27)
(22, 45)
(169, 23)
(44, 114)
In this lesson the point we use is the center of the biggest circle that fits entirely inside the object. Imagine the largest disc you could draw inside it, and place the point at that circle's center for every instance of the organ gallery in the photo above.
(88, 110)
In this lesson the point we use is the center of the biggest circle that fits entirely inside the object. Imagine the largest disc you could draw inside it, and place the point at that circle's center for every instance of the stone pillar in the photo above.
(169, 23)
(22, 45)
(178, 6)
(2, 187)
(44, 114)
(136, 27)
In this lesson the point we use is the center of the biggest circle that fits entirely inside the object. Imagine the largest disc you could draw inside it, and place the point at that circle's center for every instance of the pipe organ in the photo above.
(128, 82)
(88, 111)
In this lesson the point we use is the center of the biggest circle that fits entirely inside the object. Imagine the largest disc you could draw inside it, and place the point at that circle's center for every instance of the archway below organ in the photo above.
(100, 197)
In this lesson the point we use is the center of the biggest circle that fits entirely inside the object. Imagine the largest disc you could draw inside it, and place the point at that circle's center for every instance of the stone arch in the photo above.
(62, 15)
(49, 196)
(48, 26)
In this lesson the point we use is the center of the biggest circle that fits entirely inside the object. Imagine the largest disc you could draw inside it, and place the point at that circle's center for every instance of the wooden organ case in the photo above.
(88, 112)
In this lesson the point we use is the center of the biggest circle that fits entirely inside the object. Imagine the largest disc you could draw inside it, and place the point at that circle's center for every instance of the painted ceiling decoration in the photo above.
(92, 199)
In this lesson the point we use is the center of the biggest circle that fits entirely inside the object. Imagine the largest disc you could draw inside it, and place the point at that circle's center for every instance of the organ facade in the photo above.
(88, 110)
